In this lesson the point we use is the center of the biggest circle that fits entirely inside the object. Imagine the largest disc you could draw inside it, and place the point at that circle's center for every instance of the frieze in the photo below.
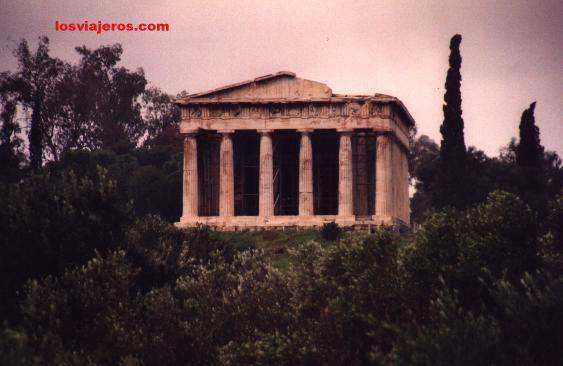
(235, 111)
(375, 109)
(354, 109)
(335, 110)
(216, 112)
(295, 110)
(196, 112)
(276, 111)
(314, 110)
(255, 112)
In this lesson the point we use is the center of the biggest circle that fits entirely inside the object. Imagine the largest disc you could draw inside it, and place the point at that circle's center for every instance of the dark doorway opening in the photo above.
(286, 173)
(363, 150)
(246, 149)
(325, 172)
(208, 174)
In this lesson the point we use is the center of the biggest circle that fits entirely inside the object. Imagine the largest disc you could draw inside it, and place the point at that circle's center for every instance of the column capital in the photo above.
(345, 131)
(226, 132)
(265, 131)
(305, 131)
(387, 133)
(190, 133)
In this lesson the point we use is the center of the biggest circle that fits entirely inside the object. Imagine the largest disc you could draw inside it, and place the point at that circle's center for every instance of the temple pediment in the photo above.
(283, 84)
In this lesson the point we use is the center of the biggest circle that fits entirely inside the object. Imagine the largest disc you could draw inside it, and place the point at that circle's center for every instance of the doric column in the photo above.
(305, 175)
(190, 181)
(383, 177)
(406, 201)
(345, 183)
(266, 195)
(226, 184)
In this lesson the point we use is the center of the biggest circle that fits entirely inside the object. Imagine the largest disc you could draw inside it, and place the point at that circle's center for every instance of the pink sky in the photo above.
(512, 51)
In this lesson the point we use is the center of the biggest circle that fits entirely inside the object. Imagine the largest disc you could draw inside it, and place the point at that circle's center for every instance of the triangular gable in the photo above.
(280, 85)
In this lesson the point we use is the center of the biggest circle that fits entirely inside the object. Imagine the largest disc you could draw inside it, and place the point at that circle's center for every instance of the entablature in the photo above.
(351, 114)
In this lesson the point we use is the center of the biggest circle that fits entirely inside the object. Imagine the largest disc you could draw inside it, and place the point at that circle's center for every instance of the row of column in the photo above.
(384, 176)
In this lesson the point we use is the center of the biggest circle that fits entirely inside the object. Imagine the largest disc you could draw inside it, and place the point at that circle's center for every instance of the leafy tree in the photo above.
(161, 118)
(54, 220)
(485, 174)
(453, 160)
(424, 154)
(34, 82)
(11, 154)
(155, 186)
(90, 311)
(498, 238)
(115, 110)
(97, 104)
(148, 177)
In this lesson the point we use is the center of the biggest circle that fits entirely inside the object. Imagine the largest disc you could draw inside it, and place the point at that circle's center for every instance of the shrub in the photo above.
(330, 231)
(468, 290)
(55, 220)
(472, 249)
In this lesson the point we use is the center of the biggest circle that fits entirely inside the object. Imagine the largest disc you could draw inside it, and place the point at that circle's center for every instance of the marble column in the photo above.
(345, 175)
(305, 174)
(383, 178)
(266, 194)
(190, 180)
(406, 200)
(226, 184)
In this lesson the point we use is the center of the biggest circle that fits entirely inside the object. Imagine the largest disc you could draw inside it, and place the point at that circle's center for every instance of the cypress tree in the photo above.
(529, 152)
(531, 179)
(451, 187)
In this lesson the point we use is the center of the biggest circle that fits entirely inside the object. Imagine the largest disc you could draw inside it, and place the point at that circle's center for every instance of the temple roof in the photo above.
(242, 84)
(282, 87)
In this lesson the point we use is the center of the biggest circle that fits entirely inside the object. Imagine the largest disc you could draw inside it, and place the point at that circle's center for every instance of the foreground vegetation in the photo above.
(483, 286)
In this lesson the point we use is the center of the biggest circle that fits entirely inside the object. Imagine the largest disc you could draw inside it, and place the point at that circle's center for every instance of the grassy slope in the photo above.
(273, 242)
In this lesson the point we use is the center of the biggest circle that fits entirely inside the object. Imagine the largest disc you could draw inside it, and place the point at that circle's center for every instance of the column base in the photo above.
(235, 223)
(345, 220)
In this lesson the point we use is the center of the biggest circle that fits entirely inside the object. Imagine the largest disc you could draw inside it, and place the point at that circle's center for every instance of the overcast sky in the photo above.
(512, 51)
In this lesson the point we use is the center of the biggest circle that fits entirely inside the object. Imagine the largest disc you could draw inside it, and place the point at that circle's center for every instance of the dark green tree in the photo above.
(529, 152)
(533, 165)
(161, 119)
(452, 188)
(424, 159)
(34, 82)
(53, 220)
(108, 102)
(11, 154)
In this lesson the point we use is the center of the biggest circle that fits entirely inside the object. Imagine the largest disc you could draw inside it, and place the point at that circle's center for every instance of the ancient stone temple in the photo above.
(282, 151)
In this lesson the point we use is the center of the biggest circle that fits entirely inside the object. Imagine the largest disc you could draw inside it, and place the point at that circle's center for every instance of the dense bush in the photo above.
(54, 220)
(149, 177)
(470, 249)
(330, 231)
(470, 288)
